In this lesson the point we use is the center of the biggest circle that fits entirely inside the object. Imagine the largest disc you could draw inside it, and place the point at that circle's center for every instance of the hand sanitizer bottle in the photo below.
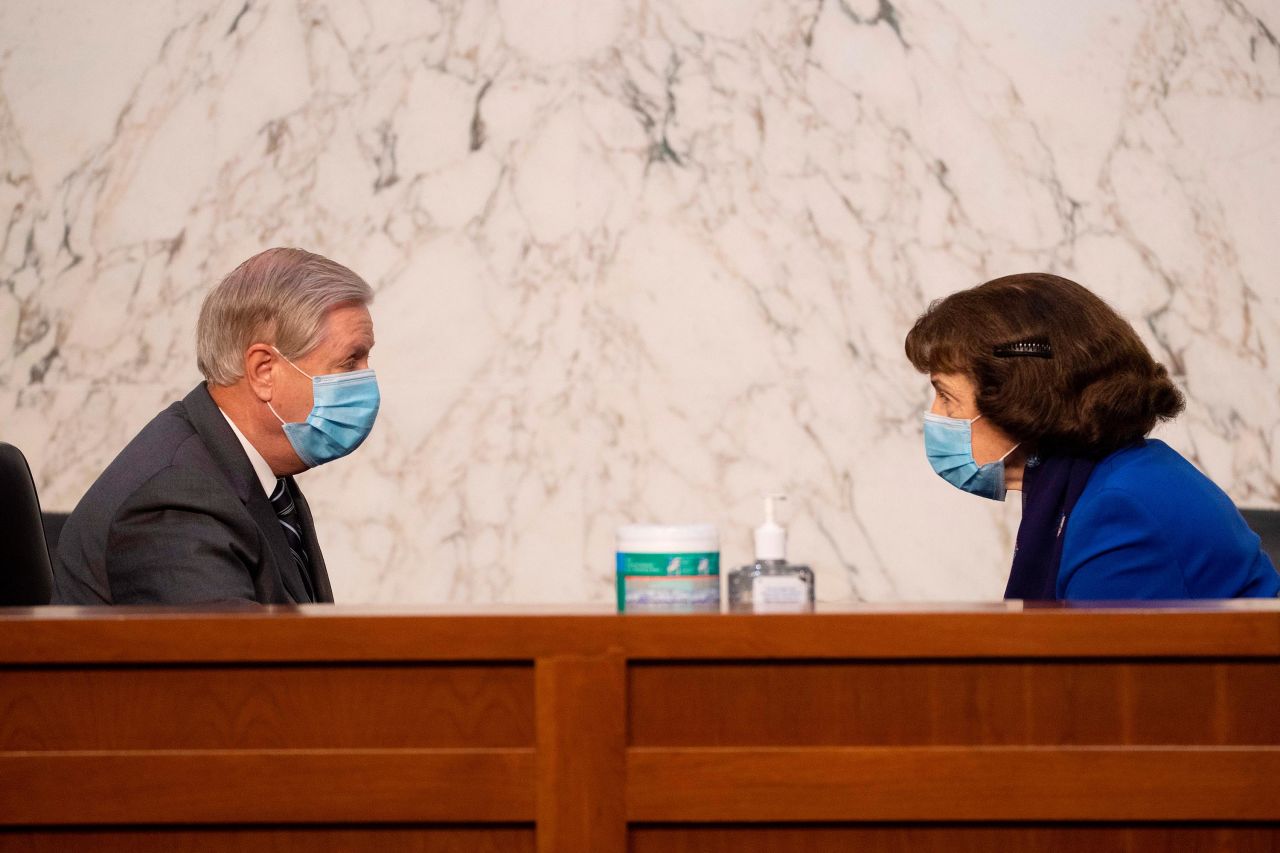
(771, 584)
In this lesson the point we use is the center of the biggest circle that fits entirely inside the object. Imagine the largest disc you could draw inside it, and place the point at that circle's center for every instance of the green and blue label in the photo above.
(670, 582)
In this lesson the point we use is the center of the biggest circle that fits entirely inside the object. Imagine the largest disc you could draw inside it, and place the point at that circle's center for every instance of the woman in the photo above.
(1041, 387)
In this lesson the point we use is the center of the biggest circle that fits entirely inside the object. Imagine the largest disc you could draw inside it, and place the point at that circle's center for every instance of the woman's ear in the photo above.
(259, 363)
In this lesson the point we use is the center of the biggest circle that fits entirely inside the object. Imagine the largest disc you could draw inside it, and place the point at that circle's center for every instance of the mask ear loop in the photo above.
(291, 364)
(1007, 452)
(295, 367)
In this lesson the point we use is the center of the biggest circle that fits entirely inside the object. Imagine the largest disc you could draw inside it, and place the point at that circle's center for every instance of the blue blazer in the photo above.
(1149, 525)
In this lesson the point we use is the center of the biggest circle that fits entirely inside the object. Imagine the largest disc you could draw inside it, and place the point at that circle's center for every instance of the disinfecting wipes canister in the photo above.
(668, 568)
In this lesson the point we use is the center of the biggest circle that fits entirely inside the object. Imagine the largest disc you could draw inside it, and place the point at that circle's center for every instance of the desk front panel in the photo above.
(962, 729)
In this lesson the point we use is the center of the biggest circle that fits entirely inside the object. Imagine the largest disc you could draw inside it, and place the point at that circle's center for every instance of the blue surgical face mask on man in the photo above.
(343, 409)
(948, 442)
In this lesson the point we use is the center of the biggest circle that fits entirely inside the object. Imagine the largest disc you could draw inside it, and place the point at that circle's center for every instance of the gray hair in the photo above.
(278, 297)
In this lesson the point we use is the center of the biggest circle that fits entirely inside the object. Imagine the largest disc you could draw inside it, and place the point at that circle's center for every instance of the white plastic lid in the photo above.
(771, 537)
(663, 538)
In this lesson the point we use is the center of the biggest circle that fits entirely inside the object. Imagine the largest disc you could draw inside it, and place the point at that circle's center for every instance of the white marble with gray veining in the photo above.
(636, 261)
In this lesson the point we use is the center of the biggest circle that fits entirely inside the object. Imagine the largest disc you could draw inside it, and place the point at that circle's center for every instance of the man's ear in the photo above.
(259, 361)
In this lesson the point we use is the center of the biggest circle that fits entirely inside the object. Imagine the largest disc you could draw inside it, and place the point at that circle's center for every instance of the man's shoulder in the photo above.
(168, 454)
(169, 440)
(191, 487)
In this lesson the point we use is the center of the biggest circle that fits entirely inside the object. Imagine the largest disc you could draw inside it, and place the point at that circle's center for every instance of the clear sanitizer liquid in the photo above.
(771, 584)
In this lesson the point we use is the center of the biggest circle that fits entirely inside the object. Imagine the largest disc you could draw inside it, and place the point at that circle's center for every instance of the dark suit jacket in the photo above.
(180, 518)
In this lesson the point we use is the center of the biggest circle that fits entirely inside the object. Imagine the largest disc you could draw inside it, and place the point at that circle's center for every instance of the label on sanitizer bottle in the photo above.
(779, 594)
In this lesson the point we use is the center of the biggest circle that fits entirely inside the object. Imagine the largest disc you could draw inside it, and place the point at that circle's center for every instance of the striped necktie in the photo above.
(287, 512)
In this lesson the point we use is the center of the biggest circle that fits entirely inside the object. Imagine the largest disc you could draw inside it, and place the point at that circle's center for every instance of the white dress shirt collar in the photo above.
(260, 467)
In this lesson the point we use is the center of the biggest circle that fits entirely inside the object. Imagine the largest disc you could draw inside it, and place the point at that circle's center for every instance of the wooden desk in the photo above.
(964, 729)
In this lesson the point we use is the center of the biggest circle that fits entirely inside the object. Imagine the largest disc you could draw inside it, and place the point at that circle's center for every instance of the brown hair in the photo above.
(1053, 365)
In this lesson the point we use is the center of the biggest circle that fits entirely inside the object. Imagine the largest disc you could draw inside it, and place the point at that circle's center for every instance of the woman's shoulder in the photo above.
(1146, 466)
(1153, 481)
(1148, 515)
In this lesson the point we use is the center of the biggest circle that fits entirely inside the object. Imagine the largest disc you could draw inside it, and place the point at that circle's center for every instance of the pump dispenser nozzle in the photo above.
(771, 537)
(771, 584)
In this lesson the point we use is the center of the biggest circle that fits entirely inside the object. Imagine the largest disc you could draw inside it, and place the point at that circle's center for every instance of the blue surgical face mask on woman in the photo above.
(948, 442)
(343, 409)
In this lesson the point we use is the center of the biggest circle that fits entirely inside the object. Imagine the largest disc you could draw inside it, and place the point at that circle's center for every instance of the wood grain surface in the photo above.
(266, 707)
(907, 729)
(311, 839)
(991, 703)
(582, 753)
(329, 634)
(955, 838)
(953, 783)
(277, 786)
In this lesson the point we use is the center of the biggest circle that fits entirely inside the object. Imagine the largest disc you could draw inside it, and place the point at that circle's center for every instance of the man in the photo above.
(201, 506)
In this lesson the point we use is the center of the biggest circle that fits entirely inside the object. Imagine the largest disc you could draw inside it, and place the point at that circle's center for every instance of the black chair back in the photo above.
(26, 576)
(1266, 523)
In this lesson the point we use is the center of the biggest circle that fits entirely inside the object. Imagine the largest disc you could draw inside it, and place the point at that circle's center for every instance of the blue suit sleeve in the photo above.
(1115, 550)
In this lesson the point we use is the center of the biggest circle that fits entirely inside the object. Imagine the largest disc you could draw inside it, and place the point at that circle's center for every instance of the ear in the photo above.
(259, 364)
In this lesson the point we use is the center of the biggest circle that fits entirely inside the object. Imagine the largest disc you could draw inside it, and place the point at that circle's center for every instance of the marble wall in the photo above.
(636, 260)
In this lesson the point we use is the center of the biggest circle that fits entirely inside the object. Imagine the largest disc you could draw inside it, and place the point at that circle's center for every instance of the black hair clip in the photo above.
(1039, 348)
